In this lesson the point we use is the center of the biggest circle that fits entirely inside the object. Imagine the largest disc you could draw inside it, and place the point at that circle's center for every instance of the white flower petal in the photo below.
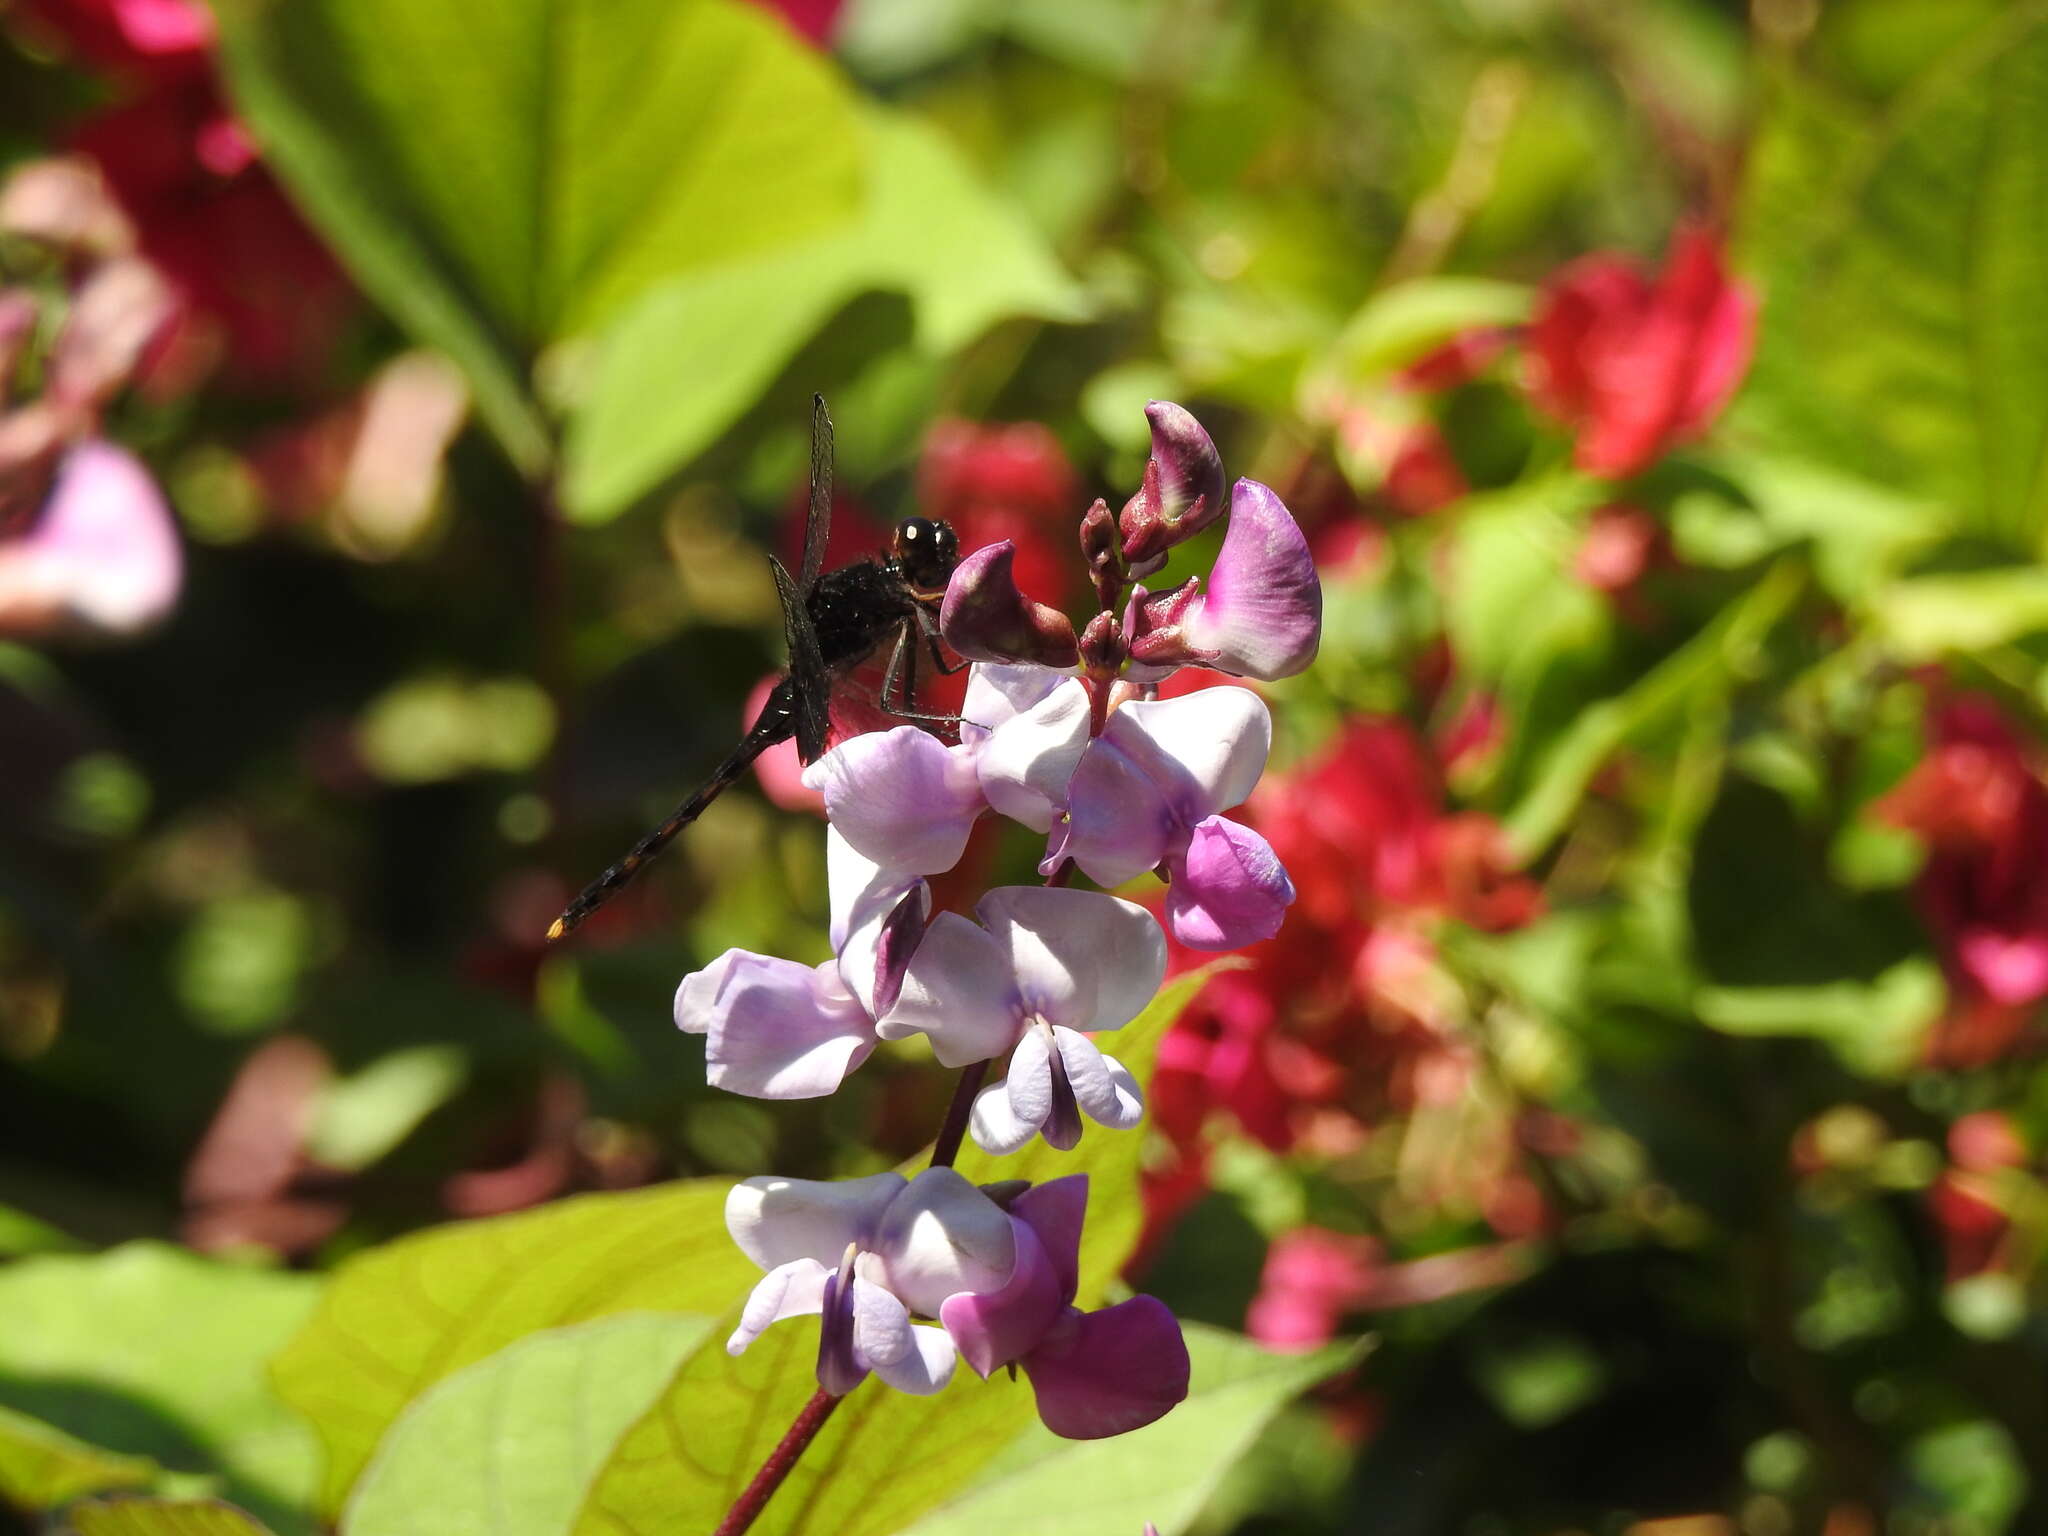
(881, 1325)
(775, 1029)
(1080, 958)
(941, 1236)
(901, 797)
(926, 1368)
(1000, 691)
(1204, 750)
(788, 1290)
(995, 1127)
(1024, 763)
(1106, 1092)
(959, 991)
(1029, 1085)
(777, 1220)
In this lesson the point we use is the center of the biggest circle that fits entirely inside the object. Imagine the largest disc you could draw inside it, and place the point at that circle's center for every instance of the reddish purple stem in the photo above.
(748, 1506)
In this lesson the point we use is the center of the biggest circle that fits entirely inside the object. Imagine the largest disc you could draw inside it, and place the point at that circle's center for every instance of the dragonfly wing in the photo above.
(818, 526)
(809, 682)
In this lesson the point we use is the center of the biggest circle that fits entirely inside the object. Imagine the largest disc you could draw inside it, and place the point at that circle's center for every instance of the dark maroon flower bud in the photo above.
(1154, 624)
(1102, 548)
(1182, 493)
(1103, 652)
(986, 618)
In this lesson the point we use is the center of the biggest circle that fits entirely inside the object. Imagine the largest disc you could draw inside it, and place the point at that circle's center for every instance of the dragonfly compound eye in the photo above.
(926, 551)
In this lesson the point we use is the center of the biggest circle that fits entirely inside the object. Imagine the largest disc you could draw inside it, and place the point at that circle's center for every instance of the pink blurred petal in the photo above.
(103, 555)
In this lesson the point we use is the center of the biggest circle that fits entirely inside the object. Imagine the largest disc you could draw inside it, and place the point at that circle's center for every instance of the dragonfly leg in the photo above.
(899, 683)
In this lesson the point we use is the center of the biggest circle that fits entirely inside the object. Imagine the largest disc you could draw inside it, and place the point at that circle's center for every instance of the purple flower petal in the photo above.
(878, 918)
(1024, 763)
(940, 1236)
(1054, 1211)
(1107, 1093)
(774, 1029)
(926, 1367)
(1103, 1373)
(992, 1328)
(840, 1368)
(1081, 959)
(788, 1290)
(1228, 889)
(1062, 1128)
(960, 991)
(901, 798)
(776, 1220)
(985, 617)
(1262, 615)
(1119, 823)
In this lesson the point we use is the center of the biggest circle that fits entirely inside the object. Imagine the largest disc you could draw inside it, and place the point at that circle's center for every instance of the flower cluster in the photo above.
(1064, 732)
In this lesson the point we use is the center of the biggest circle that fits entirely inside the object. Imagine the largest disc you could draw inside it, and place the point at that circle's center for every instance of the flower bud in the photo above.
(1101, 549)
(986, 618)
(1182, 493)
(1103, 652)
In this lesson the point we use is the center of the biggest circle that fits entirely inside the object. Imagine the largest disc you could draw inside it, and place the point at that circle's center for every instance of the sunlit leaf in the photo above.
(508, 1446)
(1879, 1029)
(1163, 1473)
(398, 1319)
(163, 1517)
(682, 365)
(503, 175)
(152, 1351)
(41, 1466)
(1905, 331)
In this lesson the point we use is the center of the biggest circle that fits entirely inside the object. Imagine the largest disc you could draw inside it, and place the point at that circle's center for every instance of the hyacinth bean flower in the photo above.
(777, 1029)
(866, 1254)
(1094, 1373)
(1182, 492)
(1042, 967)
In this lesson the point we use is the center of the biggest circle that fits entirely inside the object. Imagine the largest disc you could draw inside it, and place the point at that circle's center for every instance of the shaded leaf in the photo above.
(398, 1319)
(504, 175)
(1878, 1028)
(682, 365)
(508, 1446)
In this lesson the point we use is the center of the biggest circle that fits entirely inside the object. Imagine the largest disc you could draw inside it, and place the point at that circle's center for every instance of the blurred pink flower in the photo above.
(815, 19)
(1635, 364)
(99, 557)
(1311, 1279)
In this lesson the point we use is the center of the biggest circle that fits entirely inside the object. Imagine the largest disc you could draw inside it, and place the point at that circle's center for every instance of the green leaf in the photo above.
(884, 1458)
(682, 365)
(508, 1447)
(1878, 1029)
(1918, 229)
(41, 1466)
(1929, 617)
(506, 174)
(1514, 604)
(1164, 1472)
(398, 1319)
(163, 1517)
(1398, 325)
(150, 1350)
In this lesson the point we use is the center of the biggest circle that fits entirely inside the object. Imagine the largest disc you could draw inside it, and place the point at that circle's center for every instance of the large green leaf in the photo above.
(1904, 251)
(398, 1319)
(41, 1466)
(680, 366)
(501, 174)
(508, 1446)
(163, 1517)
(152, 1351)
(884, 1458)
(1163, 1473)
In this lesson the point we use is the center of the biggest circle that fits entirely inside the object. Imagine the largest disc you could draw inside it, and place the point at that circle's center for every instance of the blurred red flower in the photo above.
(205, 210)
(1634, 363)
(1008, 482)
(1982, 809)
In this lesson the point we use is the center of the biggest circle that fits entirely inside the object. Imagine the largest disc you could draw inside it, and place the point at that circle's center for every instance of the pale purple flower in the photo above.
(1043, 967)
(101, 555)
(1182, 493)
(775, 1029)
(1262, 615)
(1094, 1373)
(987, 617)
(866, 1254)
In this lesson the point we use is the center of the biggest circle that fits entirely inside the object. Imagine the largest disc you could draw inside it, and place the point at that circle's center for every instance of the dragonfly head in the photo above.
(926, 552)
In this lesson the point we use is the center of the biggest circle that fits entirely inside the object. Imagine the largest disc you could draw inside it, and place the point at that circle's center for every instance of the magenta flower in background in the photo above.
(865, 1254)
(1094, 1374)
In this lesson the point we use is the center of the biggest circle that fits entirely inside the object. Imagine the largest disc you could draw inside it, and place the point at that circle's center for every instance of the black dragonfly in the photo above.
(833, 621)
